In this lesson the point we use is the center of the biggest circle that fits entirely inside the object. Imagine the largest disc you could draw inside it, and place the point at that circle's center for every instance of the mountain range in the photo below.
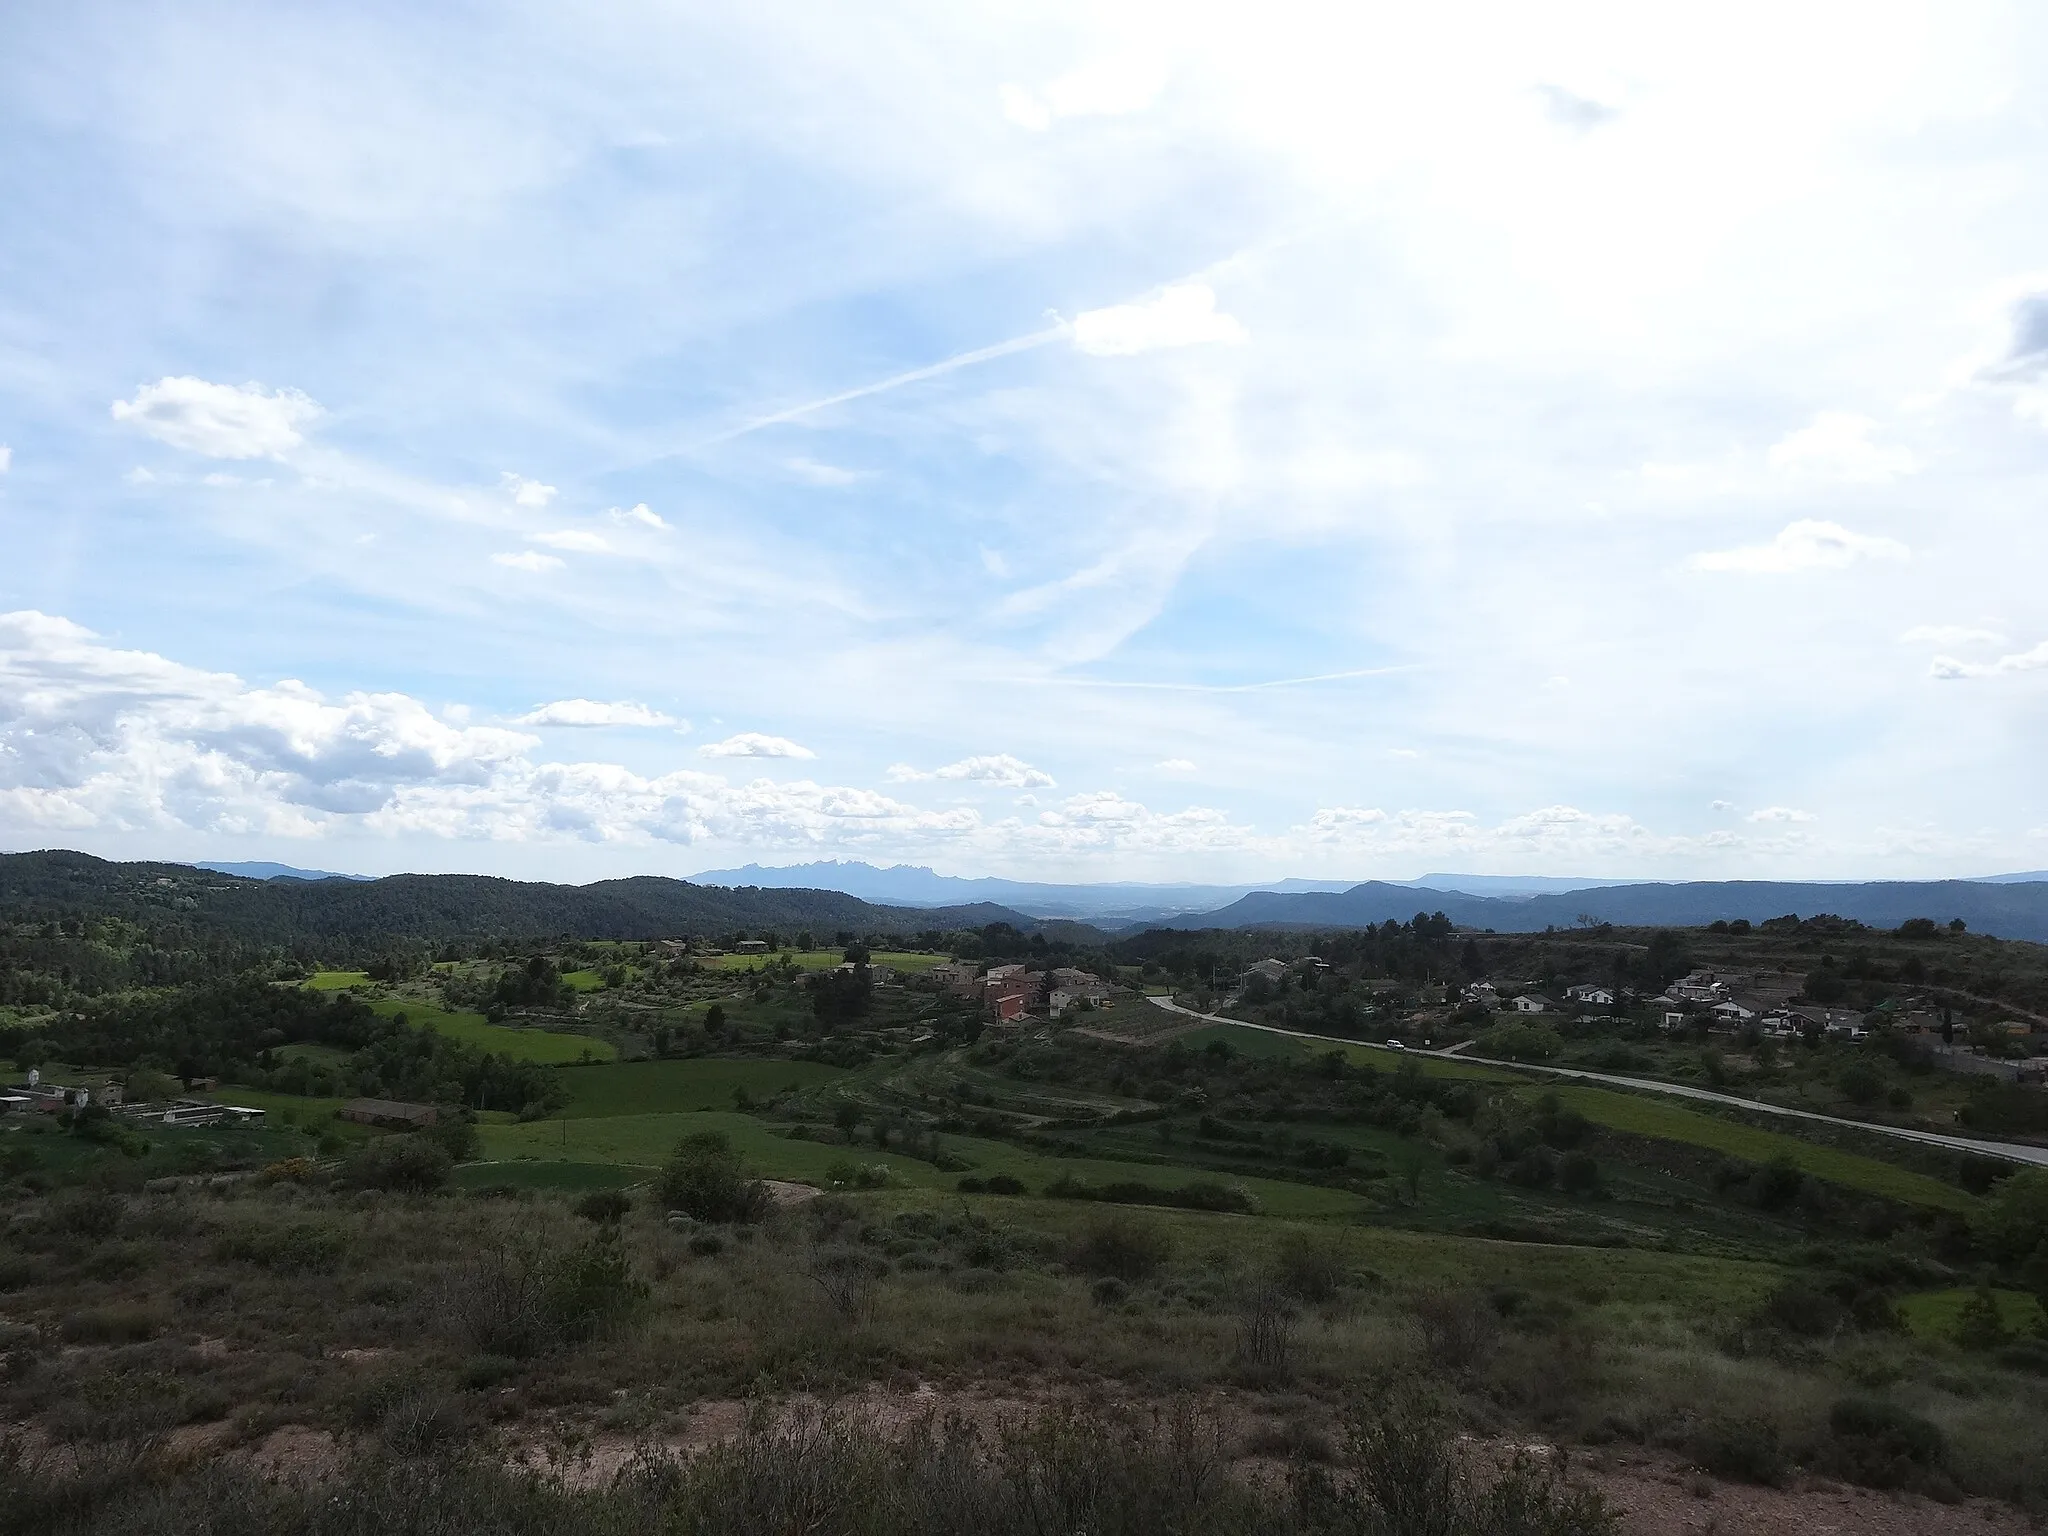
(2012, 909)
(912, 885)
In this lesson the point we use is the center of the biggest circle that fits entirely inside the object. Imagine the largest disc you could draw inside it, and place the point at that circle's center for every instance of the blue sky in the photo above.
(1155, 442)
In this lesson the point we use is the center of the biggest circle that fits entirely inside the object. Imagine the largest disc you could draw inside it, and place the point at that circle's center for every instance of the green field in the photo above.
(646, 1141)
(1635, 1114)
(582, 981)
(1643, 1116)
(826, 959)
(338, 981)
(548, 1047)
(653, 1087)
(572, 1178)
(1934, 1314)
(280, 1108)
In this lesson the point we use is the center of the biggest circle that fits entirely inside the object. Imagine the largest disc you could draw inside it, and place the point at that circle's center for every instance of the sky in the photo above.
(1107, 441)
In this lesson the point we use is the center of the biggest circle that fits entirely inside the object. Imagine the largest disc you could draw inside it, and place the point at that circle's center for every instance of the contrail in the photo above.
(894, 381)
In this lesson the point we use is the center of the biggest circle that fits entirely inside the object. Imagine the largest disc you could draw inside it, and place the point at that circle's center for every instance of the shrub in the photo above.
(408, 1163)
(295, 1247)
(1744, 1449)
(1980, 1325)
(1005, 1184)
(705, 1179)
(1882, 1445)
(1578, 1174)
(116, 1323)
(606, 1207)
(1308, 1268)
(1457, 1328)
(1121, 1248)
(521, 1299)
(88, 1213)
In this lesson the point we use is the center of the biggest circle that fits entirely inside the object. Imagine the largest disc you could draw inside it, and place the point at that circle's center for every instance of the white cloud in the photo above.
(577, 540)
(1000, 768)
(591, 712)
(221, 421)
(525, 492)
(1949, 669)
(95, 738)
(527, 560)
(1780, 814)
(1807, 545)
(1180, 315)
(1950, 634)
(1175, 765)
(1722, 805)
(639, 513)
(754, 744)
(1112, 86)
(1839, 445)
(831, 476)
(6, 458)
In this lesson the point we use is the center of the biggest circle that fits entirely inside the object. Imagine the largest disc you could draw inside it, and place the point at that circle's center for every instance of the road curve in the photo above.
(2012, 1152)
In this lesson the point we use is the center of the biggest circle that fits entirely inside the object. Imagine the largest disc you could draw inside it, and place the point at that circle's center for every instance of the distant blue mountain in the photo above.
(2008, 909)
(261, 870)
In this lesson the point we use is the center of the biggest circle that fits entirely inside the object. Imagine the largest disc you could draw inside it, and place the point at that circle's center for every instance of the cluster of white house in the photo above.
(1012, 990)
(32, 1095)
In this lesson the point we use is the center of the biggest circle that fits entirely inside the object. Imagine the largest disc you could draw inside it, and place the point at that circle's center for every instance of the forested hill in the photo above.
(2006, 910)
(47, 886)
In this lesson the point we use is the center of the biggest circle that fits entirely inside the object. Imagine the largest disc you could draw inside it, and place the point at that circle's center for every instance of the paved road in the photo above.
(2012, 1152)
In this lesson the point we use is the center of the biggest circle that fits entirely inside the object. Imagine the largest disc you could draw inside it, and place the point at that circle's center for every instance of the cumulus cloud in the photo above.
(1950, 634)
(527, 560)
(525, 492)
(639, 513)
(590, 712)
(1003, 769)
(999, 768)
(1175, 765)
(1112, 86)
(1722, 805)
(1949, 669)
(1781, 814)
(221, 421)
(1807, 545)
(1180, 315)
(1841, 446)
(754, 744)
(94, 737)
(577, 540)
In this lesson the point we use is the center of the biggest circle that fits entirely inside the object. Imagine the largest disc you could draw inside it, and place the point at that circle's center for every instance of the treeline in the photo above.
(242, 1031)
(351, 920)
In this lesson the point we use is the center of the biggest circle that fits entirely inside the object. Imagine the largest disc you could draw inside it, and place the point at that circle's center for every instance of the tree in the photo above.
(1860, 1082)
(1980, 1325)
(705, 1178)
(2014, 1222)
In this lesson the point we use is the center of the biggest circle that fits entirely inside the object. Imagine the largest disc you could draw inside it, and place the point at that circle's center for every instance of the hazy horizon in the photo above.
(1087, 445)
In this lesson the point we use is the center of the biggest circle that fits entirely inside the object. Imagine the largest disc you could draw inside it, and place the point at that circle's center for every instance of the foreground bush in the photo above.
(405, 1163)
(705, 1179)
(830, 1476)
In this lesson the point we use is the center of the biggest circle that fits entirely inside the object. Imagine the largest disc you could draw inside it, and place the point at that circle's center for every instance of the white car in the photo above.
(1395, 1045)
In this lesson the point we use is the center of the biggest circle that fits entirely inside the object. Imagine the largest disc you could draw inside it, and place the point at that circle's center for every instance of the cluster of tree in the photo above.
(242, 1030)
(535, 983)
